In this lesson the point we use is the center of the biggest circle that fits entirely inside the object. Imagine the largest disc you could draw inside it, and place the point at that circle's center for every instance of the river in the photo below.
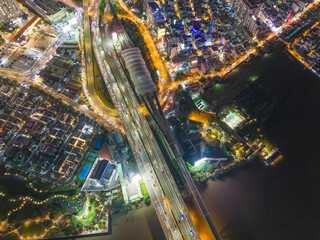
(281, 202)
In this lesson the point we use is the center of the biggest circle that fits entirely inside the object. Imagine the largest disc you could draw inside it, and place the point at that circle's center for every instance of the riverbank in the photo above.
(281, 202)
(303, 63)
(259, 202)
(141, 224)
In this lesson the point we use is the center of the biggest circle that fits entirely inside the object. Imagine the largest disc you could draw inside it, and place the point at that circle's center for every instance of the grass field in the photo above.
(143, 189)
(70, 42)
(10, 236)
(104, 95)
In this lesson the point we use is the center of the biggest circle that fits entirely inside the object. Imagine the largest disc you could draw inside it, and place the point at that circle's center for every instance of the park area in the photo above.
(94, 212)
(6, 207)
(32, 229)
(145, 193)
(74, 206)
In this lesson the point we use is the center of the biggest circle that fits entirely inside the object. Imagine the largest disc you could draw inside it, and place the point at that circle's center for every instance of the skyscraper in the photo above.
(246, 12)
(9, 9)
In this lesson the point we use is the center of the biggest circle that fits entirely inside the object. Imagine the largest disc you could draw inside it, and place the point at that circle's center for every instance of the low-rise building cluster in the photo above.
(21, 50)
(64, 75)
(308, 47)
(207, 36)
(51, 10)
(76, 145)
(13, 119)
(200, 36)
(40, 135)
(275, 14)
(10, 10)
(245, 137)
(24, 48)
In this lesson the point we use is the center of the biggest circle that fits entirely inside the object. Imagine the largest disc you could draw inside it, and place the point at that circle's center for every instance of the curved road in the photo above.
(89, 66)
(152, 156)
(174, 218)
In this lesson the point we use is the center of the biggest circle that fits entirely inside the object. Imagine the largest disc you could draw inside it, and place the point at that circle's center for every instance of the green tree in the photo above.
(147, 201)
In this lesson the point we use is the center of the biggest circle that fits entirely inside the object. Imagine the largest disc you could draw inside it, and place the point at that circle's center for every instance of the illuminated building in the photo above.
(9, 9)
(146, 89)
(101, 171)
(51, 10)
(232, 117)
(154, 16)
(161, 32)
(246, 12)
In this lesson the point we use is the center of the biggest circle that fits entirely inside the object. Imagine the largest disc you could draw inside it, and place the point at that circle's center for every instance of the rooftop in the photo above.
(233, 119)
(138, 71)
(99, 169)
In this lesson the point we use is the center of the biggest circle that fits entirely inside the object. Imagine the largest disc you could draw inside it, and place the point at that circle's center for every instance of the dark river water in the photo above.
(281, 202)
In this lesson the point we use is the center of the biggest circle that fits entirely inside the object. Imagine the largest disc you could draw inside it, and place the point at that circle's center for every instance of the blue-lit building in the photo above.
(100, 171)
(154, 16)
(119, 138)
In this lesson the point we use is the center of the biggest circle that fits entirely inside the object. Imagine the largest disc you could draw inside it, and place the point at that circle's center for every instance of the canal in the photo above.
(258, 202)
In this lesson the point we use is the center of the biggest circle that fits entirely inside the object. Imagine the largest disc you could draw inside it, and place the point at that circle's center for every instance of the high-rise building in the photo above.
(154, 16)
(9, 9)
(246, 12)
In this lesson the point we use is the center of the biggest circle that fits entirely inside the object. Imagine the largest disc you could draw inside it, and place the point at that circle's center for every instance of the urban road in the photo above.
(147, 175)
(174, 217)
(89, 64)
(123, 36)
(159, 162)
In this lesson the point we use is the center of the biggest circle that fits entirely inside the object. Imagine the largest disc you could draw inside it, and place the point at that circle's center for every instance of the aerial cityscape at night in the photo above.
(153, 120)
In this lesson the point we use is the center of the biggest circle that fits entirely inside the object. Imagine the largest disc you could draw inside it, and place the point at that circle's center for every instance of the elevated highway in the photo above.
(175, 218)
(89, 66)
(146, 89)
